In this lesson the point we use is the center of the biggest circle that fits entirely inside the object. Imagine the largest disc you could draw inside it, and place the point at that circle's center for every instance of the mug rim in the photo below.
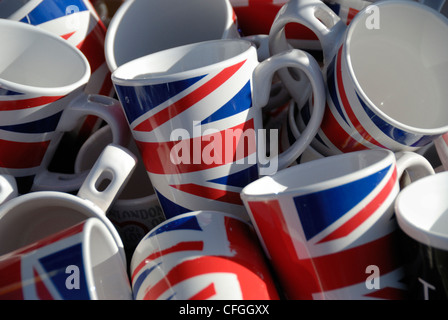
(163, 77)
(53, 90)
(346, 55)
(119, 17)
(64, 197)
(383, 156)
(407, 221)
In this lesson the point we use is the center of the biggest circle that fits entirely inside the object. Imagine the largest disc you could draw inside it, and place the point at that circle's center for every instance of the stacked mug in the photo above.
(298, 156)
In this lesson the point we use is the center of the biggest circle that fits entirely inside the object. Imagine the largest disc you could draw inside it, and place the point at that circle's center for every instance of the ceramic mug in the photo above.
(327, 225)
(136, 211)
(385, 87)
(421, 211)
(141, 27)
(195, 114)
(81, 262)
(42, 81)
(75, 21)
(35, 215)
(201, 255)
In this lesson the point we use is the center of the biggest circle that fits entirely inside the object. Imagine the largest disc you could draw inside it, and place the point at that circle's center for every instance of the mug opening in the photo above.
(422, 210)
(174, 62)
(405, 44)
(319, 174)
(34, 59)
(165, 24)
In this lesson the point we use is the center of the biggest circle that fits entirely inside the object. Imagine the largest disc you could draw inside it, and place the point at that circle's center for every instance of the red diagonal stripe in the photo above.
(7, 105)
(364, 213)
(41, 289)
(251, 283)
(347, 107)
(189, 100)
(324, 273)
(210, 193)
(182, 246)
(337, 135)
(93, 46)
(21, 155)
(388, 293)
(205, 293)
(233, 146)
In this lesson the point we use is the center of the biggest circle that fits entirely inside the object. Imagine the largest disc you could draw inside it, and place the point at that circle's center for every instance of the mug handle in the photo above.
(262, 82)
(416, 165)
(108, 176)
(104, 107)
(321, 20)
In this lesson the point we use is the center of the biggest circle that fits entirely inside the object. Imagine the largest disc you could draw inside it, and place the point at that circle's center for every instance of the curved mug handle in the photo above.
(262, 82)
(108, 176)
(104, 107)
(325, 24)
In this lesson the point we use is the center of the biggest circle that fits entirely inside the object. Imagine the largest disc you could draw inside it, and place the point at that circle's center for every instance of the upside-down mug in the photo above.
(385, 73)
(195, 114)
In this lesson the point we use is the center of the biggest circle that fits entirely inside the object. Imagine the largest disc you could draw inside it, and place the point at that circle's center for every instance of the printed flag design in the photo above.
(27, 125)
(209, 165)
(196, 268)
(77, 22)
(36, 273)
(324, 239)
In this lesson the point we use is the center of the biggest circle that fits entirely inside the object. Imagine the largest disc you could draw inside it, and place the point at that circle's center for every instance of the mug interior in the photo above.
(33, 57)
(24, 222)
(422, 210)
(319, 174)
(398, 56)
(174, 61)
(141, 27)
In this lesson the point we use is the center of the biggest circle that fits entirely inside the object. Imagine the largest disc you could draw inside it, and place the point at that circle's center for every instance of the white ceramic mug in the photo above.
(34, 215)
(421, 210)
(141, 27)
(384, 72)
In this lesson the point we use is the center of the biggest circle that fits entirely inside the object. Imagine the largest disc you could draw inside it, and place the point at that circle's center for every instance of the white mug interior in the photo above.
(33, 216)
(398, 59)
(422, 210)
(141, 27)
(34, 58)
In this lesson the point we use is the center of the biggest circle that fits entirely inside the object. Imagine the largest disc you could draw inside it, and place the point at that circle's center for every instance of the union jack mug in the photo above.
(81, 262)
(195, 113)
(201, 255)
(42, 96)
(384, 73)
(32, 216)
(328, 227)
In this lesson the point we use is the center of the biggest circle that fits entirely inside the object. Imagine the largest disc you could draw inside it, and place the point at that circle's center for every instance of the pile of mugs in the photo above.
(223, 149)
